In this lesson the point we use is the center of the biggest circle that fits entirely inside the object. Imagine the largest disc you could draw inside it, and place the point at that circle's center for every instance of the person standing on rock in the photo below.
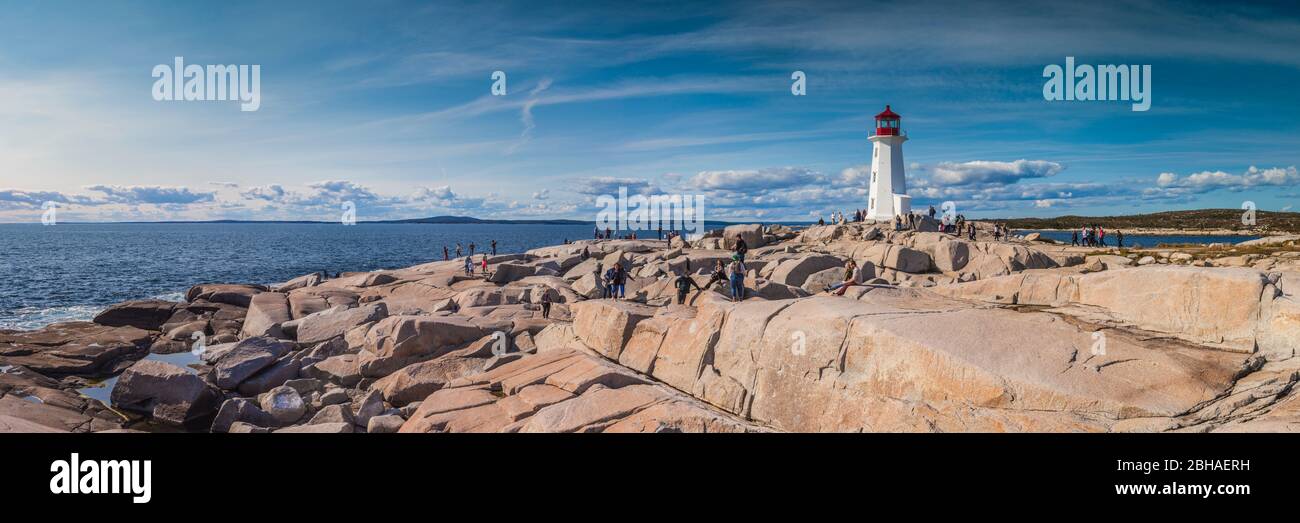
(471, 248)
(483, 257)
(445, 255)
(931, 212)
(457, 249)
(620, 281)
(737, 272)
(546, 304)
(1074, 238)
(494, 246)
(741, 247)
(1119, 238)
(684, 283)
(609, 282)
(972, 231)
(1101, 236)
(469, 266)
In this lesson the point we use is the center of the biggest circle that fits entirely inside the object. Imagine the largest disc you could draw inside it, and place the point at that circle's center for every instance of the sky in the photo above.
(389, 105)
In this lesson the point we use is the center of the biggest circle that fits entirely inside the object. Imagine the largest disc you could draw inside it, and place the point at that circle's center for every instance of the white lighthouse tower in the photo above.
(888, 196)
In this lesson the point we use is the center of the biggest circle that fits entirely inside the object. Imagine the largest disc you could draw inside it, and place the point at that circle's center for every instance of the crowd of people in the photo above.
(1094, 236)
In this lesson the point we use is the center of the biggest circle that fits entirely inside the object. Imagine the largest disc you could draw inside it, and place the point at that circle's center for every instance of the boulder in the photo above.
(246, 358)
(951, 255)
(606, 325)
(398, 341)
(795, 272)
(414, 382)
(266, 311)
(508, 272)
(906, 260)
(301, 282)
(231, 294)
(752, 234)
(343, 369)
(335, 321)
(240, 410)
(141, 314)
(168, 393)
(284, 404)
(385, 424)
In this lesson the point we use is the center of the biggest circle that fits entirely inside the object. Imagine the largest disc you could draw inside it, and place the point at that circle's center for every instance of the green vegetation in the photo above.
(1202, 219)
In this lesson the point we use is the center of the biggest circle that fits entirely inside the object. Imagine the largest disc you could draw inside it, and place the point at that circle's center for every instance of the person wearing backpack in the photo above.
(737, 273)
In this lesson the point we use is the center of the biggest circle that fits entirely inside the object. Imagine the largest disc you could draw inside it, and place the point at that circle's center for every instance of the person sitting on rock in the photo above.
(684, 283)
(719, 274)
(852, 276)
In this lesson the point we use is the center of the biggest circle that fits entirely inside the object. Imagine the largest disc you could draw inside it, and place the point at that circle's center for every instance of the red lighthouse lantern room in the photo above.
(887, 123)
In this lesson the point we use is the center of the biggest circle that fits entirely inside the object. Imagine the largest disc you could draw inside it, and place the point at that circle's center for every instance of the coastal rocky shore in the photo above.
(945, 334)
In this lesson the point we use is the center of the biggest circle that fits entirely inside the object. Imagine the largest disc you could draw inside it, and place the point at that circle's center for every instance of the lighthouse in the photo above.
(888, 196)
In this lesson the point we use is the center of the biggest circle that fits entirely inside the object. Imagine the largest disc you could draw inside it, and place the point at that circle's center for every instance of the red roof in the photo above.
(887, 114)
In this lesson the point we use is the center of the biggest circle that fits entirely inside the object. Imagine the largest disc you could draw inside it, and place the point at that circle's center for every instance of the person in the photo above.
(997, 231)
(684, 283)
(1119, 238)
(620, 281)
(1101, 236)
(898, 222)
(609, 233)
(741, 248)
(546, 304)
(457, 249)
(932, 212)
(494, 246)
(852, 276)
(719, 274)
(445, 255)
(1074, 238)
(483, 258)
(661, 232)
(821, 221)
(585, 252)
(737, 272)
(471, 248)
(971, 227)
(609, 282)
(469, 266)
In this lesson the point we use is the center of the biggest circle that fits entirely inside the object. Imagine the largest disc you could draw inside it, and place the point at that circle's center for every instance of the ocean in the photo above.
(71, 272)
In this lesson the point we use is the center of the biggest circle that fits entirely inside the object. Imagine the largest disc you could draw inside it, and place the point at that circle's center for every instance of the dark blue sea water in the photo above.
(1154, 240)
(71, 271)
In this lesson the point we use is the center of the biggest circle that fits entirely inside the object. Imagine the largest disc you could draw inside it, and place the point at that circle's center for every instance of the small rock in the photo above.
(370, 406)
(385, 424)
(335, 397)
(284, 404)
(333, 414)
(240, 427)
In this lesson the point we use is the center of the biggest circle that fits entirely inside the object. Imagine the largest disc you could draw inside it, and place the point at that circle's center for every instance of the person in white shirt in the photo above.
(852, 276)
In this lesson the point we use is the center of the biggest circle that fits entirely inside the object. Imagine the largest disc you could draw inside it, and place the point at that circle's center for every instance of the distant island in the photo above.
(1226, 220)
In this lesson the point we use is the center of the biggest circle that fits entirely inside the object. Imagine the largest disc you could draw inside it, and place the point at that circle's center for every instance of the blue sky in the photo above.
(387, 104)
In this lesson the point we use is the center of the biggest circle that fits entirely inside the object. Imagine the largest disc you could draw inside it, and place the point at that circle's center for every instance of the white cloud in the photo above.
(980, 171)
(1206, 181)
